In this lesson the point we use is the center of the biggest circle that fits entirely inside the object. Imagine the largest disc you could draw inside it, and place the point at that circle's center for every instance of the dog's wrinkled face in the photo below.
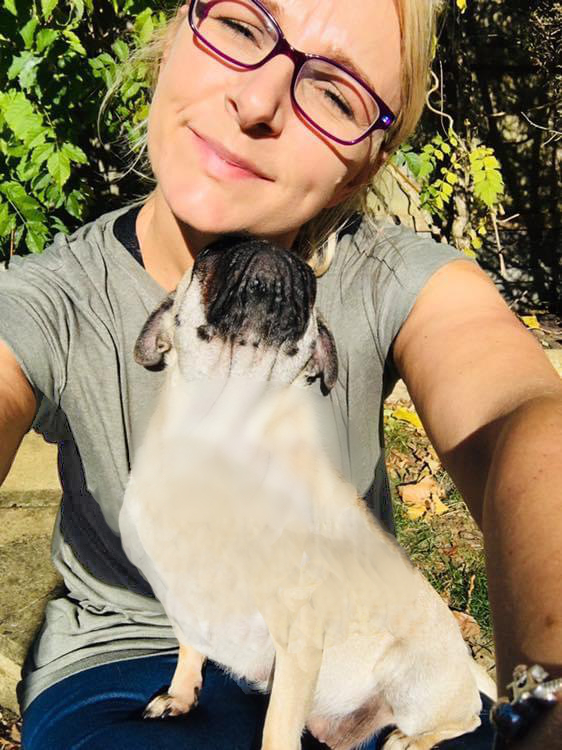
(246, 308)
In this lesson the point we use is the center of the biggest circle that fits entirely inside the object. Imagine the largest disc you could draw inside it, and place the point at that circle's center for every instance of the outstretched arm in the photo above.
(17, 408)
(492, 406)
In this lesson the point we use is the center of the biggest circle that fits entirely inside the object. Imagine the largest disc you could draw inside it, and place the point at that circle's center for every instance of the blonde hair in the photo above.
(316, 240)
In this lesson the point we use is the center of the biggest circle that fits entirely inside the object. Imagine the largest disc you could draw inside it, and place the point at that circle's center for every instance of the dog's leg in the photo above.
(294, 683)
(183, 693)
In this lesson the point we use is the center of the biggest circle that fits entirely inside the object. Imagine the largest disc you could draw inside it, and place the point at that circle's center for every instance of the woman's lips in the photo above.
(222, 163)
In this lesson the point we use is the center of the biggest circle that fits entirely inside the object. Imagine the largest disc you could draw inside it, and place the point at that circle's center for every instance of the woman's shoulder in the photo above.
(82, 254)
(374, 251)
(379, 240)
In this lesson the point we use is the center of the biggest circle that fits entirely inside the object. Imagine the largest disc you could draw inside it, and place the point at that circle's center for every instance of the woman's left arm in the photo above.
(491, 404)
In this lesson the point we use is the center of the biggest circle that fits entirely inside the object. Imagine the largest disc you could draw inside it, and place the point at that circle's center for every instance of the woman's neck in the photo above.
(168, 248)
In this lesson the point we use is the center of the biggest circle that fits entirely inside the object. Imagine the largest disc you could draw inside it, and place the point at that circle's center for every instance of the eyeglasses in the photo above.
(332, 99)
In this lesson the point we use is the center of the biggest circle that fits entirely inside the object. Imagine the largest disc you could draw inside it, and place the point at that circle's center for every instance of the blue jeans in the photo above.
(100, 709)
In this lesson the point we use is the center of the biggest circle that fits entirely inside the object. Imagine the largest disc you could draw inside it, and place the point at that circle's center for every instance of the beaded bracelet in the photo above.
(530, 694)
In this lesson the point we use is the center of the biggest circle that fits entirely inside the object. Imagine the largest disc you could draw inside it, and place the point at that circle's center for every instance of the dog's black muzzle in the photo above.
(251, 287)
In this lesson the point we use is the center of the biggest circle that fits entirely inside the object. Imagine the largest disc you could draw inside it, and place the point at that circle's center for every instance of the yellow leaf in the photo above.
(439, 507)
(408, 416)
(422, 497)
(461, 5)
(531, 321)
(415, 511)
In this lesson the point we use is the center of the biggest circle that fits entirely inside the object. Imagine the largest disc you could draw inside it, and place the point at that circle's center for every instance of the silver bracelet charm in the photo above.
(530, 694)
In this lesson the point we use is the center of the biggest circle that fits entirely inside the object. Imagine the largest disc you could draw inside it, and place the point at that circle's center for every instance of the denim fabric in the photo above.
(100, 709)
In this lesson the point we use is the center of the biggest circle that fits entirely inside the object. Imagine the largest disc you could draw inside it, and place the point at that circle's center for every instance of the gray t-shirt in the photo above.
(72, 315)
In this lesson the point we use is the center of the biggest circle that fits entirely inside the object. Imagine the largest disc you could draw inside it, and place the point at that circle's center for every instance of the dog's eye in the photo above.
(292, 351)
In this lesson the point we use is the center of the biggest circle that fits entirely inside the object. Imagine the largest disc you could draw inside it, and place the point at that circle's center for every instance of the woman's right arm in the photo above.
(17, 408)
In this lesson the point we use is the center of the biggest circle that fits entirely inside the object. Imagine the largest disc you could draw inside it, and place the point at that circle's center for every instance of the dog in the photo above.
(264, 558)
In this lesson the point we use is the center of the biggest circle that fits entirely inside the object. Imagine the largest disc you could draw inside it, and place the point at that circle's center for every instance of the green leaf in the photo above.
(10, 6)
(78, 6)
(58, 165)
(45, 38)
(74, 204)
(28, 31)
(42, 152)
(121, 50)
(24, 67)
(7, 220)
(21, 118)
(24, 203)
(47, 7)
(414, 162)
(27, 169)
(144, 26)
(74, 42)
(74, 153)
(59, 225)
(36, 237)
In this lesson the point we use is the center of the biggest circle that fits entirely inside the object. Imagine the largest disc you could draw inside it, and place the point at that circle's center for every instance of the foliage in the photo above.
(58, 60)
(445, 167)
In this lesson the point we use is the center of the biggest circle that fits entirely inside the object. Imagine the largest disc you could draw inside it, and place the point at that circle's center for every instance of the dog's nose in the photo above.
(255, 287)
(262, 286)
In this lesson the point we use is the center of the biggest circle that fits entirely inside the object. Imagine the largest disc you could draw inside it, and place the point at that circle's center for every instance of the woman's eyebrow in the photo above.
(334, 53)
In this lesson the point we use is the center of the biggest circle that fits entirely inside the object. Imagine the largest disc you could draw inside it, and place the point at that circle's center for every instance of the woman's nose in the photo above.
(261, 99)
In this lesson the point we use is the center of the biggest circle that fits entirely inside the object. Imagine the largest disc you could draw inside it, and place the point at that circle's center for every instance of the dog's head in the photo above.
(246, 308)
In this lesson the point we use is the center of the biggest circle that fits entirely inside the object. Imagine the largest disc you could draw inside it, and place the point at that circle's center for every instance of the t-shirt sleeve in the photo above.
(406, 263)
(35, 315)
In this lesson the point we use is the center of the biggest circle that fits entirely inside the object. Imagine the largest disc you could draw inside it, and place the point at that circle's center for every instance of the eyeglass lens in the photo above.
(333, 100)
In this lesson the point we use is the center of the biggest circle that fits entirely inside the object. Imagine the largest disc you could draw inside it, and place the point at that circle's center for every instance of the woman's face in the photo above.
(201, 105)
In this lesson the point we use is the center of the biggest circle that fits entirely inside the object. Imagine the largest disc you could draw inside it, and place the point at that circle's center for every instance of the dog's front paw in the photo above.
(397, 740)
(165, 705)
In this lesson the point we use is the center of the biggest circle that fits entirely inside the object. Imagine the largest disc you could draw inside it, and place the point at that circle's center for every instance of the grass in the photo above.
(447, 548)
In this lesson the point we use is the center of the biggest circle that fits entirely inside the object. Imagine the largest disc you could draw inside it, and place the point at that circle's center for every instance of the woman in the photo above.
(238, 141)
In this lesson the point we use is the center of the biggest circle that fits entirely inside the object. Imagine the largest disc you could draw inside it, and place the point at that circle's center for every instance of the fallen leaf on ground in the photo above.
(406, 415)
(15, 733)
(531, 321)
(423, 497)
(470, 629)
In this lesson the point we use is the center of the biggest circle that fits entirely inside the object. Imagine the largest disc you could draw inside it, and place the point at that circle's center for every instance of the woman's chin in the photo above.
(201, 213)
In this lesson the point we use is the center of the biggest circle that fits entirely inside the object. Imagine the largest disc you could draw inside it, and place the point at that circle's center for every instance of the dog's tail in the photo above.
(483, 680)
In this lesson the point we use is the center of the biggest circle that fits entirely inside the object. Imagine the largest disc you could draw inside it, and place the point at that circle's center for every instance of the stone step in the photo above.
(29, 500)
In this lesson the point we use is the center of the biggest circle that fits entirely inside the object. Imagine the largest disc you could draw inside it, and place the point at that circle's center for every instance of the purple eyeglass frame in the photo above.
(282, 47)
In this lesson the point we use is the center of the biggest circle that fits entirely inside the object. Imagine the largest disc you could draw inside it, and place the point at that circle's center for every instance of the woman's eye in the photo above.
(238, 28)
(339, 102)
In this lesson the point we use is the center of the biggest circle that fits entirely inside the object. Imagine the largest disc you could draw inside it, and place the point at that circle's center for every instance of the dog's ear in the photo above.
(325, 357)
(155, 339)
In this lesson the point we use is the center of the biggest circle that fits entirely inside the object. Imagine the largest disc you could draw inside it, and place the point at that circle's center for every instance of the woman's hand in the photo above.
(546, 734)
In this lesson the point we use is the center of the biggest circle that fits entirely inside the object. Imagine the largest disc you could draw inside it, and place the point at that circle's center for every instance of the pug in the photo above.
(264, 557)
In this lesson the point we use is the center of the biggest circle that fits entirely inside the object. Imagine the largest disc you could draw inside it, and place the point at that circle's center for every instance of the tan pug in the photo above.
(263, 557)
